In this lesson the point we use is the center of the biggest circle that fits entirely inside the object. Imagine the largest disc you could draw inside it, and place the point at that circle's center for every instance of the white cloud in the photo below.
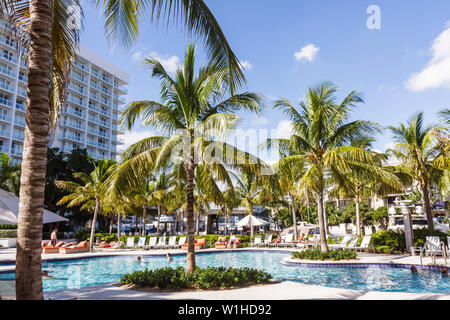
(131, 137)
(170, 63)
(284, 129)
(308, 53)
(437, 72)
(246, 64)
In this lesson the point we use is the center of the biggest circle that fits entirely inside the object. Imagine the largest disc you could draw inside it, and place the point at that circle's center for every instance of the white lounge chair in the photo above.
(161, 243)
(344, 241)
(288, 240)
(130, 242)
(364, 243)
(181, 241)
(141, 242)
(152, 242)
(172, 242)
(267, 239)
(257, 241)
(352, 244)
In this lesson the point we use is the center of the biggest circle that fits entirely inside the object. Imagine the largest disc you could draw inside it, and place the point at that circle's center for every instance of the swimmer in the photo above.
(169, 257)
(413, 270)
(45, 275)
(444, 271)
(139, 258)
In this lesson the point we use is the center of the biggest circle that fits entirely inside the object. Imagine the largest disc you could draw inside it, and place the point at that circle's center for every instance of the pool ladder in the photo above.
(433, 254)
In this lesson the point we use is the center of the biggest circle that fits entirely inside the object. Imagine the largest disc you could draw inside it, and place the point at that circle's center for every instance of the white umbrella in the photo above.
(9, 209)
(251, 220)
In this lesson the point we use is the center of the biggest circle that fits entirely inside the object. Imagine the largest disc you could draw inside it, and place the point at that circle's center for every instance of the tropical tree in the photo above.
(417, 148)
(360, 179)
(321, 135)
(92, 189)
(9, 174)
(195, 111)
(49, 29)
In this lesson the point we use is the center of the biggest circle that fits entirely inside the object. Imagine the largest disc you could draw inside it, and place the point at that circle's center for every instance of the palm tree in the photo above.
(417, 148)
(194, 109)
(43, 28)
(321, 134)
(362, 179)
(92, 189)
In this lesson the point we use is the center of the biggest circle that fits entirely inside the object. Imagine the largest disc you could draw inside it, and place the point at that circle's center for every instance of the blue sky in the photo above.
(401, 69)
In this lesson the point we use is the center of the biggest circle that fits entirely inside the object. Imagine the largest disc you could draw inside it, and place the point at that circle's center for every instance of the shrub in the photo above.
(317, 254)
(85, 234)
(216, 277)
(8, 233)
(8, 226)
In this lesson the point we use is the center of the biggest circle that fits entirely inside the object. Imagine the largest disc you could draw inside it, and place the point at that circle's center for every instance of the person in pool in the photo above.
(413, 270)
(169, 257)
(139, 258)
(45, 275)
(444, 271)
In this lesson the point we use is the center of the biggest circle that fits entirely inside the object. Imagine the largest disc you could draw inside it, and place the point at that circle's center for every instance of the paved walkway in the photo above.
(283, 290)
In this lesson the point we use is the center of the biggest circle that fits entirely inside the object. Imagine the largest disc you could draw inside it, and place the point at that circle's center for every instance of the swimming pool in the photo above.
(71, 274)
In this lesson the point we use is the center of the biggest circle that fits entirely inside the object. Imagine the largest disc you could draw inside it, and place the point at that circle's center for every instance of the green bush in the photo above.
(317, 254)
(220, 277)
(395, 240)
(8, 226)
(8, 233)
(85, 234)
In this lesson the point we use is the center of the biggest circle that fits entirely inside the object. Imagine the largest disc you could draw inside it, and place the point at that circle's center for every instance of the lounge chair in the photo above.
(351, 245)
(364, 244)
(152, 242)
(141, 242)
(221, 243)
(130, 242)
(236, 243)
(161, 243)
(288, 240)
(181, 241)
(172, 242)
(343, 242)
(433, 247)
(83, 246)
(257, 241)
(267, 239)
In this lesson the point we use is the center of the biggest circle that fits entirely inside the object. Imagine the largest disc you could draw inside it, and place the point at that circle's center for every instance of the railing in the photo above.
(74, 112)
(8, 42)
(77, 77)
(20, 106)
(98, 121)
(15, 152)
(121, 88)
(5, 102)
(5, 117)
(19, 121)
(98, 132)
(4, 133)
(4, 86)
(22, 92)
(77, 89)
(5, 25)
(23, 78)
(80, 66)
(7, 72)
(8, 57)
(23, 64)
(95, 108)
(119, 98)
(18, 136)
(76, 101)
(73, 137)
(97, 144)
(73, 124)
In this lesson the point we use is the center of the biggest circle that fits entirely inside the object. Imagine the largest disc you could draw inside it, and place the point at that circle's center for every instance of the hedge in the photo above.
(8, 233)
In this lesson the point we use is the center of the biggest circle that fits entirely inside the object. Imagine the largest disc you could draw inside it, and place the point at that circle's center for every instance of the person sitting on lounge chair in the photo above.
(232, 240)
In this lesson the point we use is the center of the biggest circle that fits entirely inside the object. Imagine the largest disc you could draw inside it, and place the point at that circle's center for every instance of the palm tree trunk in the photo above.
(323, 240)
(294, 217)
(159, 218)
(94, 222)
(426, 199)
(144, 214)
(111, 222)
(118, 227)
(34, 160)
(190, 168)
(358, 217)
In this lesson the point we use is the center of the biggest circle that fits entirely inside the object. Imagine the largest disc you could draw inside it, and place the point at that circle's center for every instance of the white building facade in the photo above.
(90, 117)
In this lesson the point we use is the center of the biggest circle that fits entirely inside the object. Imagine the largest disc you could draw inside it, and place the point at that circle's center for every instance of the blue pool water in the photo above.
(79, 273)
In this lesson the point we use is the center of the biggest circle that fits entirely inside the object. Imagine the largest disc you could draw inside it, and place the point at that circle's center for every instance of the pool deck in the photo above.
(278, 291)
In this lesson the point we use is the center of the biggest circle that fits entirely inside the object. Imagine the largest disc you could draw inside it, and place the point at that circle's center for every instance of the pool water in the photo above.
(71, 274)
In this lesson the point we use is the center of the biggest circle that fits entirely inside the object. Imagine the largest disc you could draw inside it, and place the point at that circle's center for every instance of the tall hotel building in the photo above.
(90, 117)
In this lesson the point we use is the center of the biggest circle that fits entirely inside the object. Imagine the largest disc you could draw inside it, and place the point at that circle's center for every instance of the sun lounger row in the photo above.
(156, 243)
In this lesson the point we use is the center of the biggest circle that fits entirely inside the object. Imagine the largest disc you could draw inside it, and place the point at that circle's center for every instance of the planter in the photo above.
(8, 242)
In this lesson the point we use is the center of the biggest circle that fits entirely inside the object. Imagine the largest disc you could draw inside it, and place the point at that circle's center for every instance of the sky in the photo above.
(396, 54)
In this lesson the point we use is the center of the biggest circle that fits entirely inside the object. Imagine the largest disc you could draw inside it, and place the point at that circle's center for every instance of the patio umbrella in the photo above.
(251, 221)
(9, 209)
